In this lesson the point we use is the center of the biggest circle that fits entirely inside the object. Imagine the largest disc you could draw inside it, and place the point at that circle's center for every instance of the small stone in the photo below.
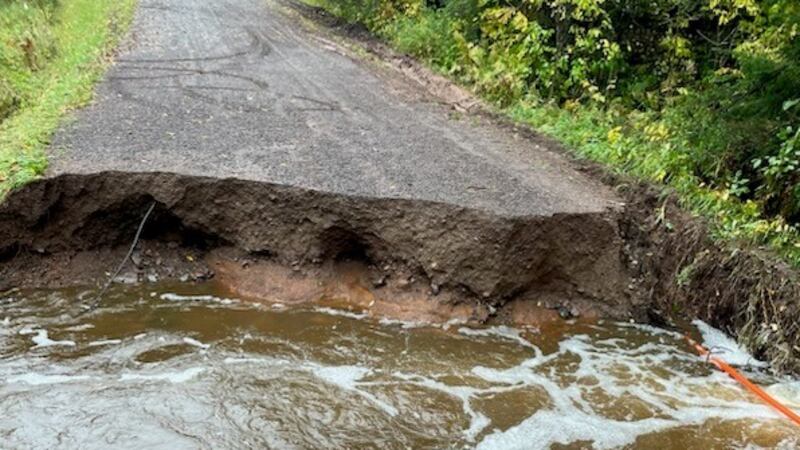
(127, 278)
(151, 277)
(379, 281)
(435, 289)
(434, 265)
(184, 278)
(564, 312)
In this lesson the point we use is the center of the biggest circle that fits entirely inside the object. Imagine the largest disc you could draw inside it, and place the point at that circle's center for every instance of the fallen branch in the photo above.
(96, 301)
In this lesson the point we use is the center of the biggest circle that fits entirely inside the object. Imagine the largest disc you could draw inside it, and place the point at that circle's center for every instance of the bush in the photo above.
(710, 87)
(429, 37)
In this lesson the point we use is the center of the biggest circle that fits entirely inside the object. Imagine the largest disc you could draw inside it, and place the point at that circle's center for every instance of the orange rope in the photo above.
(725, 367)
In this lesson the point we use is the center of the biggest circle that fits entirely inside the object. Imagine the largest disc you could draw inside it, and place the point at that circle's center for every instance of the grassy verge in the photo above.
(51, 55)
(634, 147)
(707, 138)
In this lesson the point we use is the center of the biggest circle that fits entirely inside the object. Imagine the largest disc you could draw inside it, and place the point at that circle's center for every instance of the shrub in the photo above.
(710, 85)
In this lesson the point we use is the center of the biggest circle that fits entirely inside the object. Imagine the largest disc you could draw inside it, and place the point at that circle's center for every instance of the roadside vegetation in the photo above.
(700, 95)
(51, 54)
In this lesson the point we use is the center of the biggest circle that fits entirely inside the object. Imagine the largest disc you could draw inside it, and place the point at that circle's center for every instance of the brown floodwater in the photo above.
(180, 366)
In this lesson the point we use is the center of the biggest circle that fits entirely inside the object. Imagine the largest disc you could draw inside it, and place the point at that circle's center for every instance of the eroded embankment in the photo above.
(685, 274)
(412, 260)
(677, 270)
(256, 236)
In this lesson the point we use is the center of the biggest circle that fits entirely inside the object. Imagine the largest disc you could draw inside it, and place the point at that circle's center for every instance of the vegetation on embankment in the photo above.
(701, 95)
(51, 54)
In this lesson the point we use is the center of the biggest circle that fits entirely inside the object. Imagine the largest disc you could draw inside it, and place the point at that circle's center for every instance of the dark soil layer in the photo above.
(685, 274)
(571, 261)
(650, 261)
(678, 271)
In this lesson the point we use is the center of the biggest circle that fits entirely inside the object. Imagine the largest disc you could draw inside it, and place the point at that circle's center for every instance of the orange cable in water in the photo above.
(749, 385)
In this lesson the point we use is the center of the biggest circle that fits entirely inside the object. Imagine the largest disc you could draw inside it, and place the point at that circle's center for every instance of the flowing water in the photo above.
(179, 366)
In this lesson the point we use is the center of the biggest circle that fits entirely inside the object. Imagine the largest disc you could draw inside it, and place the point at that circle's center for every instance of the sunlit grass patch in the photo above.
(53, 52)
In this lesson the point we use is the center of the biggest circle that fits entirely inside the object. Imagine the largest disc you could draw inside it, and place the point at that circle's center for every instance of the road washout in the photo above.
(308, 163)
(679, 271)
(276, 243)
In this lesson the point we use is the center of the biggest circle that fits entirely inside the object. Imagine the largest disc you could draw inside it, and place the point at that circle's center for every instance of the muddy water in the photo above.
(178, 366)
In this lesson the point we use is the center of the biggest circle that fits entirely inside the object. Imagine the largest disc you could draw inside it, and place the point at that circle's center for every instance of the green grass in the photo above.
(641, 148)
(51, 55)
(681, 142)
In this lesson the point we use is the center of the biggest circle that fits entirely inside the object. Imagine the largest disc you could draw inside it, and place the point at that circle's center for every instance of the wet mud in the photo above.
(260, 237)
(648, 260)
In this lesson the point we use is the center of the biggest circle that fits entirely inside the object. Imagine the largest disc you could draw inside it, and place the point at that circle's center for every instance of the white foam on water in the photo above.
(649, 329)
(340, 312)
(105, 342)
(41, 338)
(172, 297)
(248, 360)
(502, 331)
(405, 324)
(195, 343)
(787, 393)
(36, 379)
(346, 377)
(81, 327)
(452, 322)
(725, 347)
(172, 377)
(349, 378)
(343, 376)
(477, 421)
(673, 400)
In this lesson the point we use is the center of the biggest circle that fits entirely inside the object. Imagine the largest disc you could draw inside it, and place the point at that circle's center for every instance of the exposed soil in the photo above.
(404, 259)
(684, 274)
(58, 230)
(676, 270)
(408, 260)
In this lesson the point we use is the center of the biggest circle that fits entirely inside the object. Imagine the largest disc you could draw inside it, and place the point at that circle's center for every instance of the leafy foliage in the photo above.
(701, 94)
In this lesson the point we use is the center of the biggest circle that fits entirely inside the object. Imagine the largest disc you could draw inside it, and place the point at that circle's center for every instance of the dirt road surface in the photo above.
(256, 128)
(237, 88)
